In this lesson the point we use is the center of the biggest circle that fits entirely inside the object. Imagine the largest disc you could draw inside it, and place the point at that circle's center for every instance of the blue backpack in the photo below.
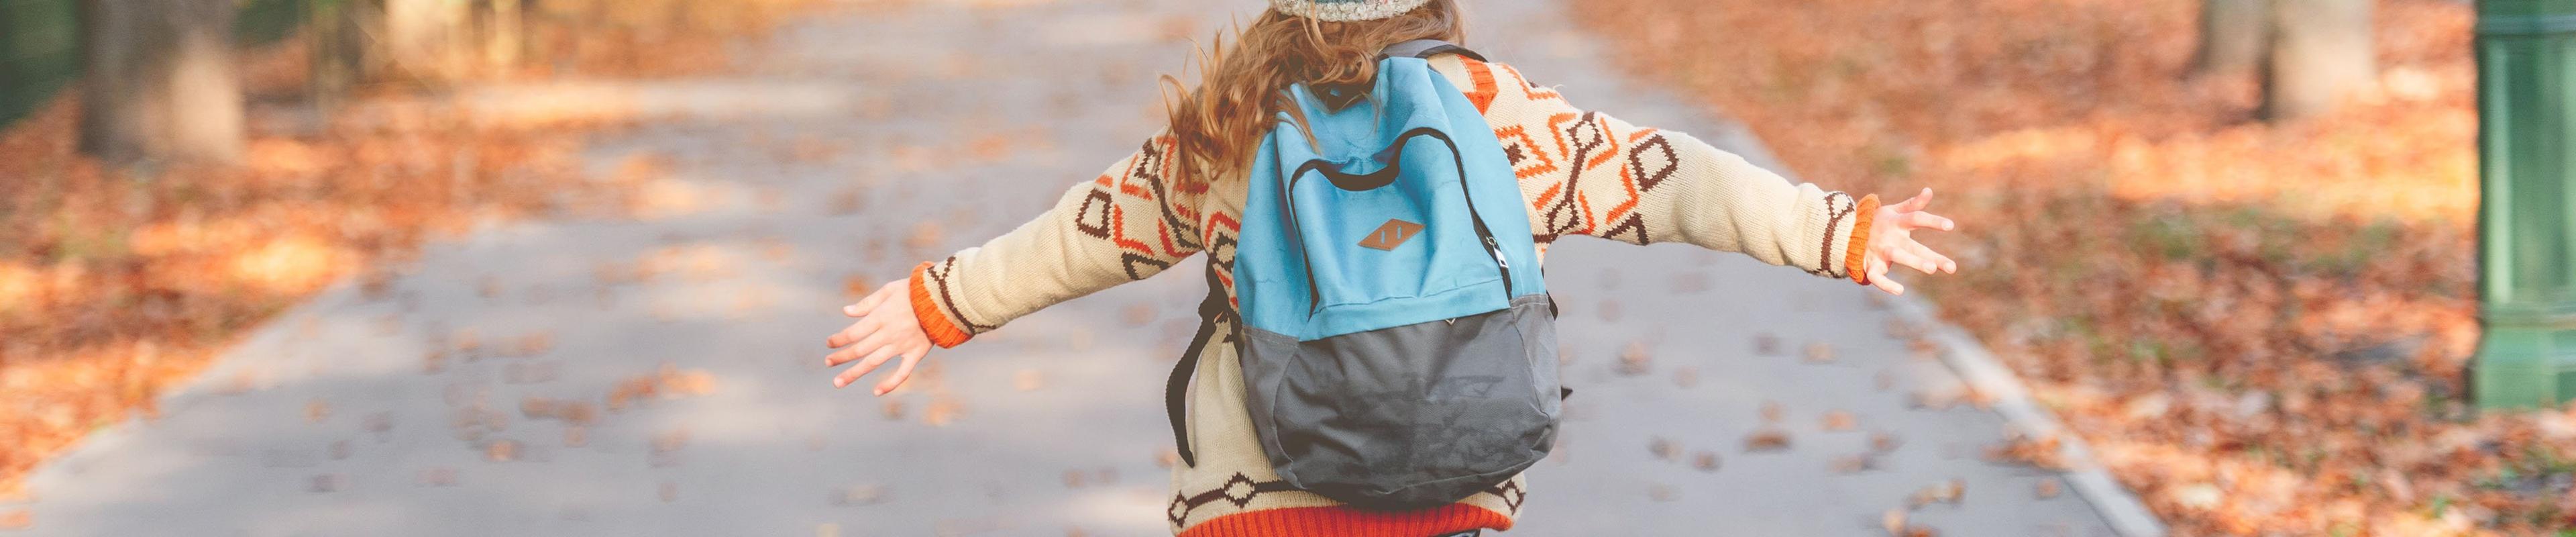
(1397, 343)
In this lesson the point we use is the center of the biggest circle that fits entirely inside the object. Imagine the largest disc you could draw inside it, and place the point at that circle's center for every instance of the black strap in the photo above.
(1176, 388)
(1426, 48)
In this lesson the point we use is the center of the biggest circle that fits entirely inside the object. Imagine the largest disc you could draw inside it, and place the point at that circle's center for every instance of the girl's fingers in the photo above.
(846, 354)
(1886, 284)
(1916, 203)
(868, 304)
(852, 374)
(1921, 220)
(1941, 261)
(852, 334)
(1877, 270)
(1914, 260)
(879, 338)
(901, 372)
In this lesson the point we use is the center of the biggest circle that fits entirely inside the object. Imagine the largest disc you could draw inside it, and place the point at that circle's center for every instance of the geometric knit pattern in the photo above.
(1580, 173)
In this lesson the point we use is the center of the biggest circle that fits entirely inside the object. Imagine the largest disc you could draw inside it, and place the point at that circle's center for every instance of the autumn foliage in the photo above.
(117, 284)
(2261, 327)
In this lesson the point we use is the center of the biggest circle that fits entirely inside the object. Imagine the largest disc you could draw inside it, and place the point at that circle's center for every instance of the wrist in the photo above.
(926, 313)
(1856, 255)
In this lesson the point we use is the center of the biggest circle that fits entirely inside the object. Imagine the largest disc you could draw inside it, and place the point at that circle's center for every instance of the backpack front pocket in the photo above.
(1411, 416)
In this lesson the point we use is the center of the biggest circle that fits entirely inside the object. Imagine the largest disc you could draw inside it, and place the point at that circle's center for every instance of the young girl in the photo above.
(1580, 173)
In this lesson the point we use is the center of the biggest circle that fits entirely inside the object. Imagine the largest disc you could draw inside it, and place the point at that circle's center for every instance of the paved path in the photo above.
(481, 392)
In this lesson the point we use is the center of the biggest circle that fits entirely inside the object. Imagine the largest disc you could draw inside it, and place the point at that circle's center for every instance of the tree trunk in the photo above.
(338, 33)
(2321, 54)
(421, 40)
(160, 82)
(500, 29)
(2234, 36)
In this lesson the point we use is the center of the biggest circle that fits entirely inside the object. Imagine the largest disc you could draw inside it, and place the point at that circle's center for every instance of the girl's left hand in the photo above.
(1891, 239)
(886, 329)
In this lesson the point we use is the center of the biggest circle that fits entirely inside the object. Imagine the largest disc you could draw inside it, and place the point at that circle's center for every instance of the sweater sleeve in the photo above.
(1126, 225)
(1586, 173)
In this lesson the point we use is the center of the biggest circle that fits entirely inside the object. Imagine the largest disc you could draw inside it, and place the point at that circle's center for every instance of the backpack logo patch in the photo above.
(1391, 235)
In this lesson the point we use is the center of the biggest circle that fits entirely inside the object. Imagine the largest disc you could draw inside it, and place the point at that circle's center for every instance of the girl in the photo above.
(1183, 192)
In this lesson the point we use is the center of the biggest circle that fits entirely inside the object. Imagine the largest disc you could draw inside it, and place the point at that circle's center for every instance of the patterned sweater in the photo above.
(1582, 173)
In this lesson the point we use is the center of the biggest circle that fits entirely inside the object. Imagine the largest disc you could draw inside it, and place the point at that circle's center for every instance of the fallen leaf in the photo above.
(856, 287)
(858, 495)
(1766, 440)
(924, 236)
(1137, 314)
(1839, 420)
(438, 476)
(1883, 442)
(331, 482)
(1852, 464)
(1662, 449)
(942, 411)
(1634, 360)
(1027, 380)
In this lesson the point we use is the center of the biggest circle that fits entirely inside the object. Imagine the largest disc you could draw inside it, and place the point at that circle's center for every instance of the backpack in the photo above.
(1398, 346)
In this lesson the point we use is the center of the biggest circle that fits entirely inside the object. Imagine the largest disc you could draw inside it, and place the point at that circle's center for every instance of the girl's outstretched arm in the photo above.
(1130, 223)
(1586, 173)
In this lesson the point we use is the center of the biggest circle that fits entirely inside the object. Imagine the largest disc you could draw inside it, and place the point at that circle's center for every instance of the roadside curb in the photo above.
(1979, 368)
(1982, 372)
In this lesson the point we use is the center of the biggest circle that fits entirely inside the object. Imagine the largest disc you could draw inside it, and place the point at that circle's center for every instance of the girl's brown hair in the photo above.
(1215, 125)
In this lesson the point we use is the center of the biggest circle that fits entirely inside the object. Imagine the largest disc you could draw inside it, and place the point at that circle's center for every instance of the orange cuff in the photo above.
(1856, 256)
(926, 309)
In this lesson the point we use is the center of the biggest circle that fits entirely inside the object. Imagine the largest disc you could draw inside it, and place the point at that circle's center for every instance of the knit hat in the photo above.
(1346, 10)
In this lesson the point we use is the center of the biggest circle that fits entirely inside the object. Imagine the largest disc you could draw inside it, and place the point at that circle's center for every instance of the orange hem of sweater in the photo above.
(1343, 521)
(1856, 257)
(933, 322)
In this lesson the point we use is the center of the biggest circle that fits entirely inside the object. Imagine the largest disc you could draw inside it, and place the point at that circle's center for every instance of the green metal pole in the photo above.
(2527, 209)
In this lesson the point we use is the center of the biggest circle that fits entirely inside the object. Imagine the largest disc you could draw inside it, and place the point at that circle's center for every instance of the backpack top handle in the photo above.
(1426, 48)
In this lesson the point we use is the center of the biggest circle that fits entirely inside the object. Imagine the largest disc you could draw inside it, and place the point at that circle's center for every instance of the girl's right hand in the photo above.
(886, 328)
(1891, 242)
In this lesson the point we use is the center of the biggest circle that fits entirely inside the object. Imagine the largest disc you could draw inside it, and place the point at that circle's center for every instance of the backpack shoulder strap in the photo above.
(1176, 388)
(1426, 48)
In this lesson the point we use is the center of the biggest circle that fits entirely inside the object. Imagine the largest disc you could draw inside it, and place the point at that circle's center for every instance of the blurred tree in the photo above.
(160, 81)
(417, 41)
(500, 28)
(2232, 34)
(2310, 54)
(2320, 53)
(337, 33)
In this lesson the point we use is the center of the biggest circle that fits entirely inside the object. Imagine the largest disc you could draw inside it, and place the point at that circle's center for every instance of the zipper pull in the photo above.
(1496, 248)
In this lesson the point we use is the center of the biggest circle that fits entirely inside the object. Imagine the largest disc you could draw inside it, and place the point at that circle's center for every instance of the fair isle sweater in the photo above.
(1581, 173)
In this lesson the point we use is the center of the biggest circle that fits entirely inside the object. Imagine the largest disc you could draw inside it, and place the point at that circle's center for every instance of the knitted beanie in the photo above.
(1346, 10)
